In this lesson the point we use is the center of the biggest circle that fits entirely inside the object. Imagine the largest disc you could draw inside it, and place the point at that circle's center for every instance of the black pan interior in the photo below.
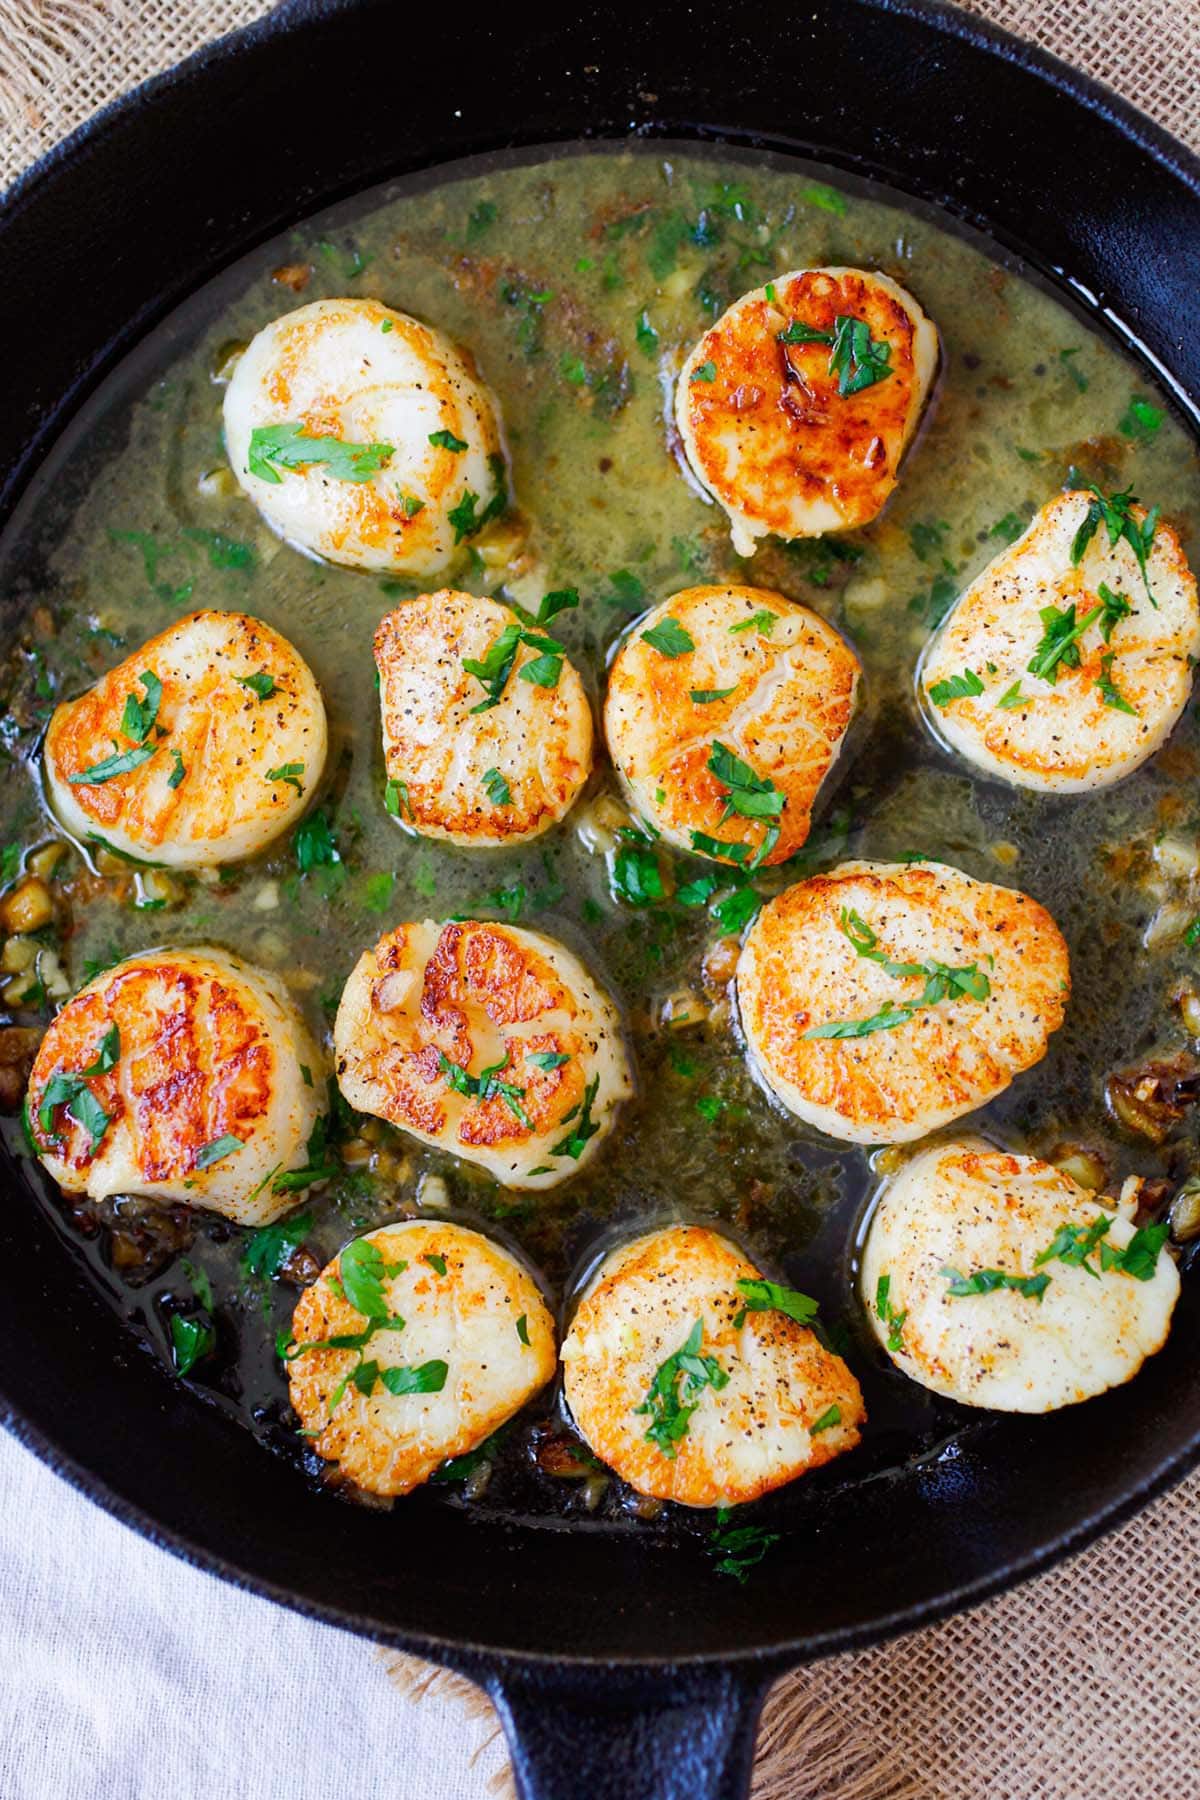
(215, 158)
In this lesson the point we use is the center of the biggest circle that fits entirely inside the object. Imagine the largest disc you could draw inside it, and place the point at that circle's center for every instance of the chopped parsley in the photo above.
(1115, 513)
(1140, 420)
(826, 198)
(987, 1281)
(289, 772)
(857, 359)
(942, 981)
(926, 538)
(108, 1053)
(556, 601)
(669, 638)
(1110, 693)
(260, 684)
(1074, 1244)
(887, 1018)
(446, 440)
(217, 1150)
(458, 1468)
(1009, 528)
(463, 516)
(268, 1249)
(768, 1296)
(481, 218)
(750, 796)
(81, 1105)
(586, 1127)
(674, 1393)
(763, 621)
(191, 1339)
(706, 373)
(1060, 641)
(733, 912)
(497, 788)
(636, 876)
(320, 1165)
(362, 1272)
(72, 1092)
(956, 687)
(1012, 697)
(481, 1087)
(829, 1418)
(887, 1314)
(706, 696)
(436, 1263)
(523, 1330)
(1139, 1258)
(422, 1378)
(627, 589)
(275, 447)
(122, 762)
(1073, 370)
(493, 670)
(178, 770)
(137, 721)
(720, 848)
(931, 608)
(313, 842)
(738, 1548)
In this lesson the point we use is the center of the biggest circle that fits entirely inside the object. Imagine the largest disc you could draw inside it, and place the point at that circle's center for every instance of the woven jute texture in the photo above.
(1083, 1684)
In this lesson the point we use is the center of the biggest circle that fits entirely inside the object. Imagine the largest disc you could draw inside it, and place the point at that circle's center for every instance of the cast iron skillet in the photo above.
(620, 1672)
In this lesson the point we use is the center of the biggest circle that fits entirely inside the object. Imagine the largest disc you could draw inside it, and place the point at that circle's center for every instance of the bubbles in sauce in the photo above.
(578, 282)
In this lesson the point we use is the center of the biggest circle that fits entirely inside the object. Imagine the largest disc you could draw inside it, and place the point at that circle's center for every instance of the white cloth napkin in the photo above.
(127, 1675)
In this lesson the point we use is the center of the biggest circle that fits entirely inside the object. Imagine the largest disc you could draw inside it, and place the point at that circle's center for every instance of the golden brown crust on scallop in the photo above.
(771, 437)
(465, 1314)
(442, 751)
(799, 970)
(222, 806)
(745, 1439)
(1066, 735)
(466, 996)
(362, 372)
(207, 1050)
(794, 694)
(966, 1206)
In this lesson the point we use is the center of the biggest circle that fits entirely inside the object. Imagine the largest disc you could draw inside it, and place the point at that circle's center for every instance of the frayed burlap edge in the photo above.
(807, 1749)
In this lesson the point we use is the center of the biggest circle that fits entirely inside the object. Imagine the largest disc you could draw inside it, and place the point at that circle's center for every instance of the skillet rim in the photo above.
(939, 19)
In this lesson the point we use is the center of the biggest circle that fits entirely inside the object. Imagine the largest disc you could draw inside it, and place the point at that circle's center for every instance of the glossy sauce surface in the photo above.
(579, 283)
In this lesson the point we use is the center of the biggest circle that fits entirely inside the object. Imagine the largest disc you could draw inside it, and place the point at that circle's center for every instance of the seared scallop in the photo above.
(486, 1040)
(997, 1280)
(796, 408)
(881, 1000)
(198, 749)
(365, 436)
(687, 1381)
(1064, 665)
(487, 731)
(726, 710)
(455, 1339)
(183, 1075)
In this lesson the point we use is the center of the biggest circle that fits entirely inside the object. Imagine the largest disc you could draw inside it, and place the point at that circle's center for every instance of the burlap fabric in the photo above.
(1083, 1684)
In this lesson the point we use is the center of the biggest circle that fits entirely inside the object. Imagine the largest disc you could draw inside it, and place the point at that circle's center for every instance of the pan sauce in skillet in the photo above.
(579, 283)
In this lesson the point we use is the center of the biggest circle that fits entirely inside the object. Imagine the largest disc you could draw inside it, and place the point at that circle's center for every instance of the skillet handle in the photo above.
(682, 1735)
